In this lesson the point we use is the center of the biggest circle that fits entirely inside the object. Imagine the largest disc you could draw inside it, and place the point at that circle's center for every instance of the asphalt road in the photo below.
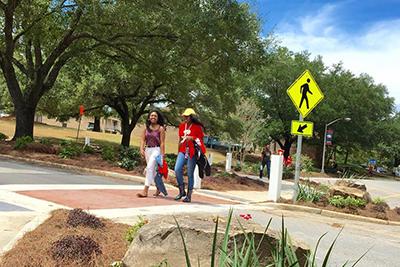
(12, 172)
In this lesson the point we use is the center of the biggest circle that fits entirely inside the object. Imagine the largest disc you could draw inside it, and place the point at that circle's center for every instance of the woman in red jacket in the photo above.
(190, 131)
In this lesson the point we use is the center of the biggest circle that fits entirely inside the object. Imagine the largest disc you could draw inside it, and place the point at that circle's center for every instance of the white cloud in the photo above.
(375, 51)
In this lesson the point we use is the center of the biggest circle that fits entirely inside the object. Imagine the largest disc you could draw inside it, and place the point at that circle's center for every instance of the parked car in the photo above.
(213, 142)
(90, 126)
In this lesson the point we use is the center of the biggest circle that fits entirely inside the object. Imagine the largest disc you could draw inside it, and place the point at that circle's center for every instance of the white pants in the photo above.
(151, 153)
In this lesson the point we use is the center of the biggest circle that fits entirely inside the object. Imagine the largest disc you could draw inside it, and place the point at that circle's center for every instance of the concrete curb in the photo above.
(32, 225)
(139, 179)
(333, 214)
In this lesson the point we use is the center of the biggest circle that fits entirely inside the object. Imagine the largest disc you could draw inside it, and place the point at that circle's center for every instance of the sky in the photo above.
(362, 34)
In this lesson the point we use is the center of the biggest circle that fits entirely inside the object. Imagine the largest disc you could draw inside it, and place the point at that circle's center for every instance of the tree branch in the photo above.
(20, 66)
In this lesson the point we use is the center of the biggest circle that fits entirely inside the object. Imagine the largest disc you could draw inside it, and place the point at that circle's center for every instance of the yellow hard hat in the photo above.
(188, 112)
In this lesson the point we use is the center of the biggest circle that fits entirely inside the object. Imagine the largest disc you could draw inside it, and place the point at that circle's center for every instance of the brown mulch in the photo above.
(37, 248)
(219, 181)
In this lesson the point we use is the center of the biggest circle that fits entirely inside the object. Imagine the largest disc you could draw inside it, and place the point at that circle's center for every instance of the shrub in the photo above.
(45, 141)
(78, 217)
(378, 201)
(171, 160)
(306, 163)
(41, 148)
(253, 168)
(22, 142)
(87, 149)
(350, 202)
(308, 193)
(3, 137)
(70, 149)
(74, 248)
(132, 231)
(129, 158)
(108, 153)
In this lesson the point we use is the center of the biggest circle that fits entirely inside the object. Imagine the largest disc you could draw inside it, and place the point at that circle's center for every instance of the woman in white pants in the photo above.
(152, 144)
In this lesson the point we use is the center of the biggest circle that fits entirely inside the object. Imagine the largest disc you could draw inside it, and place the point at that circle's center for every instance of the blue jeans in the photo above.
(191, 164)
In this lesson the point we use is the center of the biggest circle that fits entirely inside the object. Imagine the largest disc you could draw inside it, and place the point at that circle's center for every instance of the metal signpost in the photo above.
(305, 95)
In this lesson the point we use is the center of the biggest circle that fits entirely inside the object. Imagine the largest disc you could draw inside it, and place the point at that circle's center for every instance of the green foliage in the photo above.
(108, 153)
(132, 231)
(251, 168)
(3, 137)
(170, 158)
(247, 253)
(378, 201)
(308, 193)
(45, 141)
(88, 149)
(70, 149)
(22, 142)
(117, 264)
(129, 158)
(349, 202)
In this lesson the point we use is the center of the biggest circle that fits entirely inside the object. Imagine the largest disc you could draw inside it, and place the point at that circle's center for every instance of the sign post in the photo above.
(305, 95)
(81, 112)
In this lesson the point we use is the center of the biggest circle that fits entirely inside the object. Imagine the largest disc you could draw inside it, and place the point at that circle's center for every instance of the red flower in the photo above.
(246, 216)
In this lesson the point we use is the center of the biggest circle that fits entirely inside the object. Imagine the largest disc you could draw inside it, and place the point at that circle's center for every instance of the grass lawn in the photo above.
(7, 126)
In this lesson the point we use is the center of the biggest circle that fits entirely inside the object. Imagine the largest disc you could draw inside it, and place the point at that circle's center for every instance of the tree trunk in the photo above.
(347, 156)
(25, 117)
(126, 132)
(96, 127)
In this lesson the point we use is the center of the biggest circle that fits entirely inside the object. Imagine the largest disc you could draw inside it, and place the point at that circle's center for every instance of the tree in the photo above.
(210, 43)
(40, 37)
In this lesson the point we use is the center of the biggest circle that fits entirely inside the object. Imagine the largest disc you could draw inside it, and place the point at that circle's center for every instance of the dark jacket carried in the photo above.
(202, 162)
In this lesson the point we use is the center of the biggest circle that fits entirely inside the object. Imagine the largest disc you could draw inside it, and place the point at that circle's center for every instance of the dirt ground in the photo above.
(36, 248)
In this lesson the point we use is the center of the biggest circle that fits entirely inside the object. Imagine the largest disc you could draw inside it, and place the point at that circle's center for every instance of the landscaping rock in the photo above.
(160, 240)
(351, 184)
(344, 191)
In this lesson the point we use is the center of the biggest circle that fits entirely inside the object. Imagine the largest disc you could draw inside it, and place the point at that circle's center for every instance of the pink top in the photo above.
(152, 138)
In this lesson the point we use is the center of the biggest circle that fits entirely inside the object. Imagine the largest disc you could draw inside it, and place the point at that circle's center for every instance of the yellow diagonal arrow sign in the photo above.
(304, 128)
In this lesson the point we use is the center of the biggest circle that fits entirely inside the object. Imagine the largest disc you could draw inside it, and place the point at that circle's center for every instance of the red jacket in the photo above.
(163, 169)
(194, 130)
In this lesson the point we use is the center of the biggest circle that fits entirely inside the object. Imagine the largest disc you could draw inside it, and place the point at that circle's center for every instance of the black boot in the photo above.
(182, 192)
(188, 198)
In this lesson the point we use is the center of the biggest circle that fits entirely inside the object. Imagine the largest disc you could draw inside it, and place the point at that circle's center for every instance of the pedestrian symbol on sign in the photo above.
(304, 89)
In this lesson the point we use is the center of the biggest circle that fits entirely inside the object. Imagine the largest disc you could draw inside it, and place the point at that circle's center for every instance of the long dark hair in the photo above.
(196, 120)
(160, 119)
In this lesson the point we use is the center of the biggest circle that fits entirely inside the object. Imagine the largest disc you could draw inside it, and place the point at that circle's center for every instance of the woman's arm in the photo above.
(162, 141)
(142, 142)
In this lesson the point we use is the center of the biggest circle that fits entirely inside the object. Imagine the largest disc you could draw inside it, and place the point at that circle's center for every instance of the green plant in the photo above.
(3, 137)
(87, 149)
(117, 264)
(306, 163)
(247, 254)
(108, 153)
(69, 149)
(129, 158)
(378, 201)
(22, 142)
(132, 231)
(308, 193)
(350, 202)
(170, 158)
(45, 141)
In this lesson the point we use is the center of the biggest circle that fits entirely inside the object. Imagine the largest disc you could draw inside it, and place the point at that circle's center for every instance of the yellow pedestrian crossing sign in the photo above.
(304, 128)
(305, 93)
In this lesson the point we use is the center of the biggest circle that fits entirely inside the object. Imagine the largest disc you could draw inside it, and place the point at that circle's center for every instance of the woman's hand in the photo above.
(142, 152)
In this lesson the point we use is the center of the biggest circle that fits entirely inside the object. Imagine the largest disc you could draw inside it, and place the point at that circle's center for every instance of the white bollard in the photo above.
(210, 159)
(275, 180)
(87, 141)
(196, 178)
(228, 165)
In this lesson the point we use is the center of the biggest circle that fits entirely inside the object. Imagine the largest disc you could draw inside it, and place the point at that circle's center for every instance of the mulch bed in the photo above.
(370, 210)
(58, 242)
